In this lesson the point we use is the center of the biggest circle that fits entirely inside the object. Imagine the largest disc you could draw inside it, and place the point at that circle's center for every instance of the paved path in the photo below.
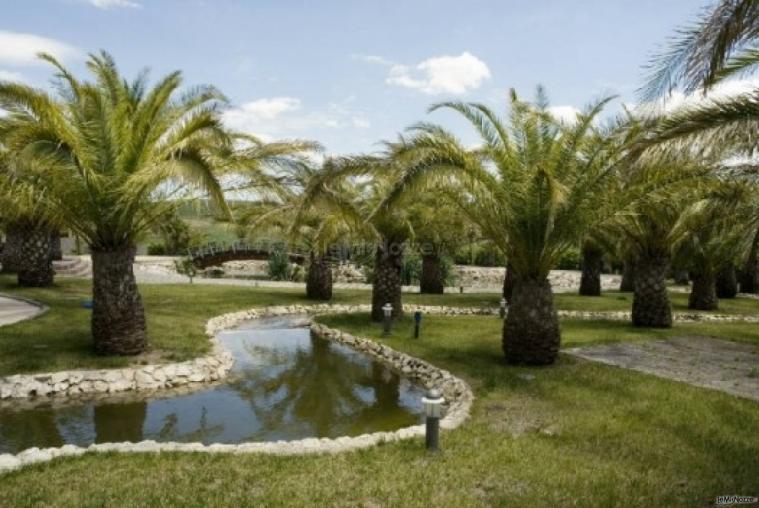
(13, 311)
(730, 367)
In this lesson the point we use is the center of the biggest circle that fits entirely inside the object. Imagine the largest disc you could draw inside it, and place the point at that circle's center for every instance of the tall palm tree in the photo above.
(118, 151)
(532, 189)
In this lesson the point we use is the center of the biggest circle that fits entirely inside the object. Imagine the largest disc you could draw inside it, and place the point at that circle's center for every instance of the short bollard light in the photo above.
(387, 309)
(417, 323)
(433, 408)
(502, 311)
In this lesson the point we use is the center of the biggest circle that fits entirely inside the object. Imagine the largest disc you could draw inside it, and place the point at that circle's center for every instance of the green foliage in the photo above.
(110, 146)
(569, 260)
(533, 188)
(185, 266)
(412, 269)
(177, 237)
(279, 265)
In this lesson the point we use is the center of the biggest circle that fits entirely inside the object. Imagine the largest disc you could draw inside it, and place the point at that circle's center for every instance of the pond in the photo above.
(286, 384)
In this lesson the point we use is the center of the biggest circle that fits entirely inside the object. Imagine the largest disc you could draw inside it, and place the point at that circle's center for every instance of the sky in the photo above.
(354, 72)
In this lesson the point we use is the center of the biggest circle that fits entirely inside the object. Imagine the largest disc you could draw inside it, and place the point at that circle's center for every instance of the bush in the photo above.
(570, 260)
(157, 249)
(279, 265)
(185, 266)
(411, 270)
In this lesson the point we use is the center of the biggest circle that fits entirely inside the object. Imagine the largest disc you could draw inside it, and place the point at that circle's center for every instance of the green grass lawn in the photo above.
(177, 314)
(577, 433)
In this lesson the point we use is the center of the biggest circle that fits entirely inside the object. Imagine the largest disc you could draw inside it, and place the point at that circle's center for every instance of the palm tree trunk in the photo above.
(118, 317)
(35, 265)
(319, 279)
(703, 294)
(651, 306)
(386, 288)
(57, 247)
(592, 264)
(12, 248)
(508, 283)
(681, 277)
(727, 282)
(531, 332)
(750, 273)
(627, 285)
(431, 281)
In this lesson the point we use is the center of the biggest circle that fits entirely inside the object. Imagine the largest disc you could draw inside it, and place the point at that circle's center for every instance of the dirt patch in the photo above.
(730, 367)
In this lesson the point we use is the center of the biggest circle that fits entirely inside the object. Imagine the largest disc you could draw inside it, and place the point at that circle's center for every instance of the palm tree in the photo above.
(308, 221)
(117, 151)
(30, 224)
(708, 236)
(439, 228)
(591, 266)
(719, 44)
(532, 189)
(360, 203)
(749, 276)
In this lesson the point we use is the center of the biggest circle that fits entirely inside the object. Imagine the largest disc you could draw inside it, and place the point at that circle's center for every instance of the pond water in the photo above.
(285, 384)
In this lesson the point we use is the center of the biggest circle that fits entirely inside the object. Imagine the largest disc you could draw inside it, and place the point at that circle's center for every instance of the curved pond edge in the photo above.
(458, 394)
(217, 364)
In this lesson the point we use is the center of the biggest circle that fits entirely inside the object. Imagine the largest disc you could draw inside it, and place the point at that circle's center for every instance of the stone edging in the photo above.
(458, 394)
(678, 317)
(217, 364)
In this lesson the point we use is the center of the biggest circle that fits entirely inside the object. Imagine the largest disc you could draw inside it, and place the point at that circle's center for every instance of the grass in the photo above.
(176, 317)
(177, 314)
(574, 433)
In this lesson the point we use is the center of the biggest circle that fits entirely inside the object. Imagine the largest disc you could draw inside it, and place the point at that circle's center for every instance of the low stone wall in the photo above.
(458, 395)
(211, 367)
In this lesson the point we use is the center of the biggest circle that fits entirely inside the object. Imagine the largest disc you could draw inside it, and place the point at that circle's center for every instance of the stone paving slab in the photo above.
(730, 367)
(13, 310)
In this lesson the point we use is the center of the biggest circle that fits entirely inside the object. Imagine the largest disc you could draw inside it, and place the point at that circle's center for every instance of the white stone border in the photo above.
(458, 394)
(216, 365)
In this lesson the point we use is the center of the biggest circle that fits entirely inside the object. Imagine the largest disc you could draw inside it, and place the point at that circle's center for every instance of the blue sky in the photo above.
(349, 73)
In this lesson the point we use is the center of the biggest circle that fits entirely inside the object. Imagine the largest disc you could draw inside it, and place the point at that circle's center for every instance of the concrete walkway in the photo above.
(730, 367)
(13, 310)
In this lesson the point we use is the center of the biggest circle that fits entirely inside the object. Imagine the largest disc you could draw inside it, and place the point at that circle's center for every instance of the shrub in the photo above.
(279, 265)
(157, 249)
(570, 260)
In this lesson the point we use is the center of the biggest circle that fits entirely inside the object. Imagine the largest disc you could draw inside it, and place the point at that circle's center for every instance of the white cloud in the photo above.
(113, 4)
(438, 75)
(678, 100)
(564, 114)
(283, 117)
(263, 109)
(21, 49)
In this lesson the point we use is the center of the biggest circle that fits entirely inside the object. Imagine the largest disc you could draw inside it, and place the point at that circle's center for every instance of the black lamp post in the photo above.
(417, 323)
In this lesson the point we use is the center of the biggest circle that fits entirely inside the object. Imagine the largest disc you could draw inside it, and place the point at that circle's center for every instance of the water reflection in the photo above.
(286, 384)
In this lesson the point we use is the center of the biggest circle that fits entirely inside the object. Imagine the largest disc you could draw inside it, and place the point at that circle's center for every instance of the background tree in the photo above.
(29, 222)
(439, 229)
(708, 236)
